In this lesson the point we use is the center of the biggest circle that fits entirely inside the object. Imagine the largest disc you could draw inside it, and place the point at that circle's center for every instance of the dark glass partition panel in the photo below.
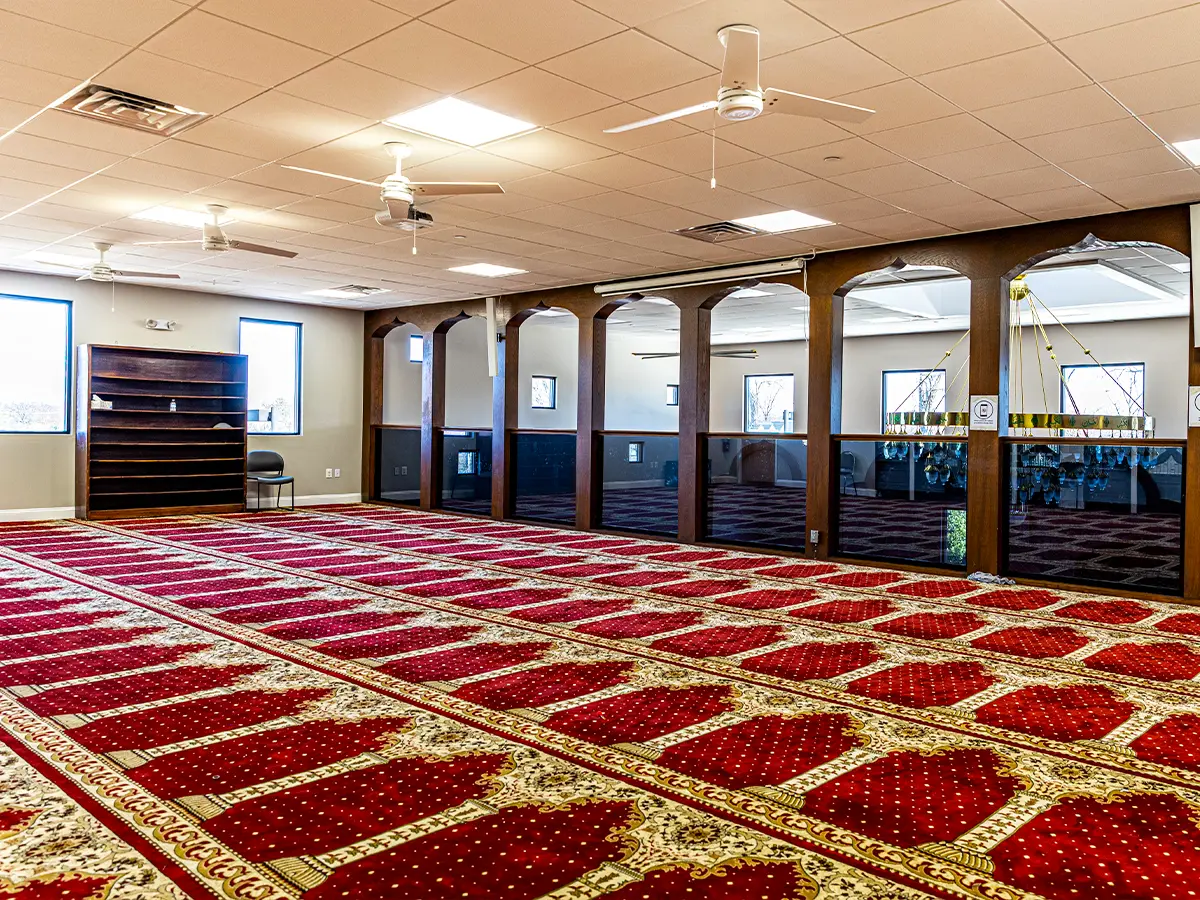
(398, 465)
(545, 482)
(903, 501)
(1096, 514)
(755, 492)
(641, 483)
(467, 471)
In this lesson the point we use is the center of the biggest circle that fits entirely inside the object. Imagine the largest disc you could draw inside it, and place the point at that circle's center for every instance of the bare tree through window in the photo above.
(769, 406)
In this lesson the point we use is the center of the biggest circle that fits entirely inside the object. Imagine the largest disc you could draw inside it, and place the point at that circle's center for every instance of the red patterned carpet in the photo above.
(365, 702)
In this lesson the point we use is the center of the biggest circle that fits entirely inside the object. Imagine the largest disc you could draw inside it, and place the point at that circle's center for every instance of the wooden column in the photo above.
(590, 419)
(826, 314)
(433, 415)
(695, 359)
(504, 420)
(988, 372)
(372, 408)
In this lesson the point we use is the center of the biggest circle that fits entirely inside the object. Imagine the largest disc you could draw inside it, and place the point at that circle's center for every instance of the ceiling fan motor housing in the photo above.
(396, 189)
(739, 104)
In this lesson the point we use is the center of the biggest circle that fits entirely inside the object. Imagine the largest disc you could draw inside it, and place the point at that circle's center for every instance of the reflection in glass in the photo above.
(769, 404)
(756, 491)
(1096, 514)
(467, 471)
(545, 481)
(641, 495)
(903, 501)
(398, 465)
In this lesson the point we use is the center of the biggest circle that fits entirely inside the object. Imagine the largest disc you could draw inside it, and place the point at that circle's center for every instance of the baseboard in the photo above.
(38, 514)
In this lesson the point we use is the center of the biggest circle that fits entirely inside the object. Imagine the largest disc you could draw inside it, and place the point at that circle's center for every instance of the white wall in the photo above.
(549, 350)
(727, 394)
(468, 385)
(38, 471)
(636, 389)
(401, 379)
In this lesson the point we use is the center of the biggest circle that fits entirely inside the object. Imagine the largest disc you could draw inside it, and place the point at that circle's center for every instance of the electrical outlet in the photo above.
(814, 537)
(396, 470)
(403, 470)
(337, 473)
(329, 473)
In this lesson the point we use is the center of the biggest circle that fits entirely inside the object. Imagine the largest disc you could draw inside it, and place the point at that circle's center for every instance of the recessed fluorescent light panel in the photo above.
(456, 120)
(169, 215)
(787, 220)
(1190, 150)
(487, 270)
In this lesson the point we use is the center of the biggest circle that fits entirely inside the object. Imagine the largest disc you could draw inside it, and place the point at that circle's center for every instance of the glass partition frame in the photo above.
(756, 490)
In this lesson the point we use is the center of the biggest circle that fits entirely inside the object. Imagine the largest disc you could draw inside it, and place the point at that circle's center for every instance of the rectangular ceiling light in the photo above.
(487, 270)
(169, 215)
(456, 120)
(787, 220)
(1190, 150)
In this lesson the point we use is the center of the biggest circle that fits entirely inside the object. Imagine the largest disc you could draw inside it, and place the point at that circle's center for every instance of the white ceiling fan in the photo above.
(398, 193)
(102, 271)
(215, 240)
(741, 97)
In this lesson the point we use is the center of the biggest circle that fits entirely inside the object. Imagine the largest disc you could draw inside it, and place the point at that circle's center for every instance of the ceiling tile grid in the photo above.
(990, 113)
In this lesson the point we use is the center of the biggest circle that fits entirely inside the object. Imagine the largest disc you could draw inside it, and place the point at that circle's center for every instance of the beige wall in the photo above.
(37, 471)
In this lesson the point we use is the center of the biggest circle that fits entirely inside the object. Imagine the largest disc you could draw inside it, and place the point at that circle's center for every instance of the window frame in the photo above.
(883, 390)
(746, 405)
(299, 421)
(553, 379)
(420, 342)
(1062, 384)
(69, 352)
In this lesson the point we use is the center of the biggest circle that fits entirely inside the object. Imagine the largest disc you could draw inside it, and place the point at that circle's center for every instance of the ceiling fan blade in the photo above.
(740, 69)
(261, 248)
(127, 274)
(451, 188)
(332, 175)
(85, 277)
(775, 100)
(665, 117)
(156, 243)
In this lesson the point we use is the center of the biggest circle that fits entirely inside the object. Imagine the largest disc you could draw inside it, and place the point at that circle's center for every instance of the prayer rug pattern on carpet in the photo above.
(367, 702)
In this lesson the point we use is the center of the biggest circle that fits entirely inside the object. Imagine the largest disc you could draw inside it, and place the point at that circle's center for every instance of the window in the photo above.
(35, 364)
(769, 404)
(274, 389)
(635, 452)
(672, 395)
(545, 392)
(416, 348)
(913, 390)
(1092, 390)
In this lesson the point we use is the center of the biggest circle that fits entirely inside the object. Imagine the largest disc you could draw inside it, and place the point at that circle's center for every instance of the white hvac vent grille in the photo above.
(716, 232)
(349, 292)
(120, 108)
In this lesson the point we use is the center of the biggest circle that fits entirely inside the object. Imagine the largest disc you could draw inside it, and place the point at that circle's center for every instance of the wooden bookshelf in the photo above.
(140, 458)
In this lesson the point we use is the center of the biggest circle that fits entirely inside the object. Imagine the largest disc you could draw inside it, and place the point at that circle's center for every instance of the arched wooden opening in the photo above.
(376, 328)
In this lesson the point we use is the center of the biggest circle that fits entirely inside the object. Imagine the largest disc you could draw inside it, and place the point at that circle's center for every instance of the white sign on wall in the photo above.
(984, 412)
(1194, 406)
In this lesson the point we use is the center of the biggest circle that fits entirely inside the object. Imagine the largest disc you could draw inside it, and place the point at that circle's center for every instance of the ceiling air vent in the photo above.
(718, 232)
(349, 292)
(120, 108)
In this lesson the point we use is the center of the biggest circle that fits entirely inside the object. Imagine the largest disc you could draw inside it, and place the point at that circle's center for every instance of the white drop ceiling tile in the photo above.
(980, 162)
(760, 174)
(57, 153)
(1118, 166)
(326, 242)
(472, 165)
(927, 200)
(888, 179)
(558, 215)
(13, 113)
(591, 127)
(73, 214)
(724, 205)
(898, 227)
(433, 58)
(200, 159)
(339, 161)
(498, 204)
(619, 172)
(807, 194)
(1181, 186)
(1032, 72)
(646, 66)
(127, 22)
(210, 42)
(553, 187)
(693, 30)
(45, 46)
(566, 240)
(1161, 89)
(129, 197)
(896, 104)
(537, 96)
(240, 193)
(39, 172)
(1080, 200)
(365, 235)
(318, 208)
(1061, 18)
(1024, 181)
(143, 171)
(281, 179)
(854, 155)
(32, 86)
(328, 27)
(1063, 111)
(84, 132)
(637, 12)
(542, 29)
(369, 141)
(510, 226)
(548, 150)
(853, 15)
(693, 153)
(1173, 125)
(985, 214)
(836, 66)
(357, 90)
(964, 31)
(773, 135)
(961, 132)
(840, 238)
(363, 196)
(308, 121)
(851, 211)
(238, 138)
(1081, 143)
(1155, 42)
(617, 204)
